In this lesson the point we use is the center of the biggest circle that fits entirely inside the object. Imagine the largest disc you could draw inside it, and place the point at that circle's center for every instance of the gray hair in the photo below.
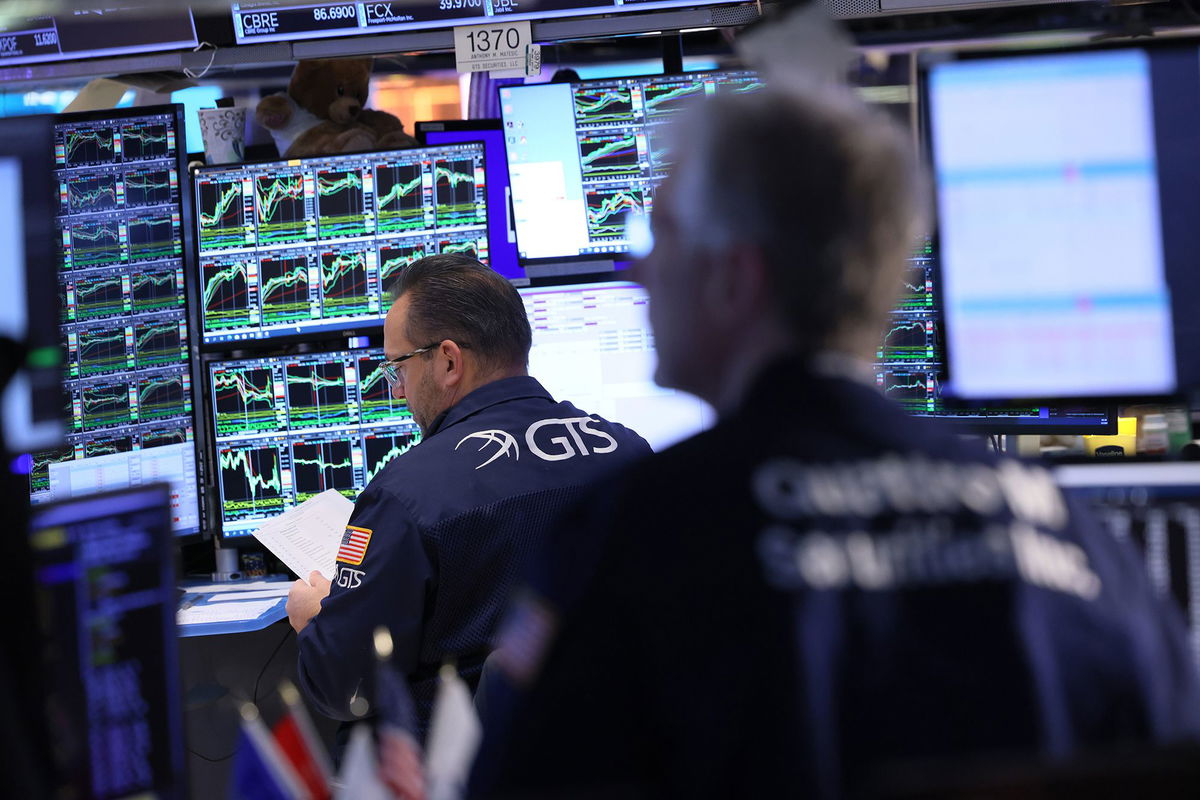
(453, 296)
(829, 189)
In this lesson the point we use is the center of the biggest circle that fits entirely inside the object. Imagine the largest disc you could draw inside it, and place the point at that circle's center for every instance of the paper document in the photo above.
(225, 612)
(237, 586)
(307, 537)
(227, 597)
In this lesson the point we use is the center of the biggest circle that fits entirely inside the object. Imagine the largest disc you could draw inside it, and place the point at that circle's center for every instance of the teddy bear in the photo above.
(324, 112)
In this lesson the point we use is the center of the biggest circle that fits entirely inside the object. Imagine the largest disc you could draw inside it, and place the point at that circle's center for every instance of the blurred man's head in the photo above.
(455, 325)
(784, 227)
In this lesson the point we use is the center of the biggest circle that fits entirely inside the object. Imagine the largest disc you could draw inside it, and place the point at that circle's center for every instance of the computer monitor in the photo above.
(1157, 507)
(502, 238)
(581, 156)
(30, 404)
(309, 246)
(1066, 203)
(289, 427)
(592, 346)
(910, 365)
(122, 239)
(132, 27)
(106, 600)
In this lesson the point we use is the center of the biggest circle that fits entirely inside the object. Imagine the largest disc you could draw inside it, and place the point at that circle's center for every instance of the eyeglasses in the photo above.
(388, 365)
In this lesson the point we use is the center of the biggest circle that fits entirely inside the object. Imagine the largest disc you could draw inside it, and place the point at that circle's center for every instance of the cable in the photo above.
(270, 658)
(194, 75)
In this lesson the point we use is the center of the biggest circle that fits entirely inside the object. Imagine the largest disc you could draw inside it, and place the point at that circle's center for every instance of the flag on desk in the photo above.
(260, 771)
(454, 735)
(399, 749)
(298, 742)
(360, 778)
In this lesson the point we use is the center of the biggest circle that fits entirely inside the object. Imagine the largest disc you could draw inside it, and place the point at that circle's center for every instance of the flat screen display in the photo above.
(502, 239)
(593, 347)
(30, 403)
(1157, 508)
(296, 248)
(583, 156)
(96, 32)
(1066, 195)
(290, 427)
(120, 235)
(105, 601)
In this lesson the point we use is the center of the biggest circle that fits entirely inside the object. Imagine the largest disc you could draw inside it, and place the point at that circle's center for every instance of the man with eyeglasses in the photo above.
(437, 538)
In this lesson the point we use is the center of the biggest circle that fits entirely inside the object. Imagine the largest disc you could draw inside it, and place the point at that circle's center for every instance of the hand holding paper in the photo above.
(307, 537)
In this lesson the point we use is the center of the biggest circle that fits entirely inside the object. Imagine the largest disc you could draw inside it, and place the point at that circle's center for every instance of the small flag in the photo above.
(399, 750)
(300, 745)
(360, 770)
(454, 735)
(260, 771)
(354, 545)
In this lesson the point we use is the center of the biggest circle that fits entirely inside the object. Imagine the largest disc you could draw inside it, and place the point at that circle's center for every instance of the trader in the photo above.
(436, 539)
(820, 586)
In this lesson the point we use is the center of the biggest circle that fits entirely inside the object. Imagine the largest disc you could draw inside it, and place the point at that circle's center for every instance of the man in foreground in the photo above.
(437, 538)
(821, 586)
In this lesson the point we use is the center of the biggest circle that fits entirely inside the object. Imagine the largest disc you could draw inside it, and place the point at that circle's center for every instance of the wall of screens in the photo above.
(121, 234)
(289, 427)
(308, 247)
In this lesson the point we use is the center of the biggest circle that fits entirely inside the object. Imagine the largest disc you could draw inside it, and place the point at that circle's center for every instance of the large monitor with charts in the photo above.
(502, 239)
(122, 236)
(1066, 203)
(309, 246)
(1156, 506)
(105, 600)
(582, 156)
(290, 427)
(592, 346)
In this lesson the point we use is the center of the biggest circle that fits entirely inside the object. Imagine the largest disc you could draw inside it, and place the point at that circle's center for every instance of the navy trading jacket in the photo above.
(436, 540)
(814, 590)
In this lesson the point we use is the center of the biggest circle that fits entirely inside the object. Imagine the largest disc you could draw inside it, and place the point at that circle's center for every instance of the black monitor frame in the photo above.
(333, 333)
(1186, 327)
(187, 254)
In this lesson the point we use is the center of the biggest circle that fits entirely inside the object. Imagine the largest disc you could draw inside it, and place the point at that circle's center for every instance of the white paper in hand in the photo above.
(307, 537)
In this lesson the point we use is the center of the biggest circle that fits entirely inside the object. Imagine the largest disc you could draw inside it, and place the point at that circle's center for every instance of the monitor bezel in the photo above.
(925, 63)
(324, 334)
(187, 256)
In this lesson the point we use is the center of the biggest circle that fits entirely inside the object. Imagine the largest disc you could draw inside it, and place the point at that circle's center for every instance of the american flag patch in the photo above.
(354, 545)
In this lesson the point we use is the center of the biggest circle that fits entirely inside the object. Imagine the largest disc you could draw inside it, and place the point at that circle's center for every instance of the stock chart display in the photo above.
(604, 142)
(122, 294)
(910, 363)
(290, 427)
(307, 246)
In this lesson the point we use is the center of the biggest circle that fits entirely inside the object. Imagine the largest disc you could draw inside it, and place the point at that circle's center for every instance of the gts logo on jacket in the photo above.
(547, 439)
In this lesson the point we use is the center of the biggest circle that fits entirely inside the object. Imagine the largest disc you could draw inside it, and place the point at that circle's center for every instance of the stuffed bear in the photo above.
(323, 112)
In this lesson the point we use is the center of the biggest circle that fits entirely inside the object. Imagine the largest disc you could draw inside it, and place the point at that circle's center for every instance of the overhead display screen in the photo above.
(95, 32)
(269, 21)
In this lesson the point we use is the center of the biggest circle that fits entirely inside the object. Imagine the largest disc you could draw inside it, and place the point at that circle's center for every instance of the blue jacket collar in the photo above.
(501, 391)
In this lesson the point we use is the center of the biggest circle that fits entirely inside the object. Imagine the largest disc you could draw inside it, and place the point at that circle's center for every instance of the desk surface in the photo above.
(210, 609)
